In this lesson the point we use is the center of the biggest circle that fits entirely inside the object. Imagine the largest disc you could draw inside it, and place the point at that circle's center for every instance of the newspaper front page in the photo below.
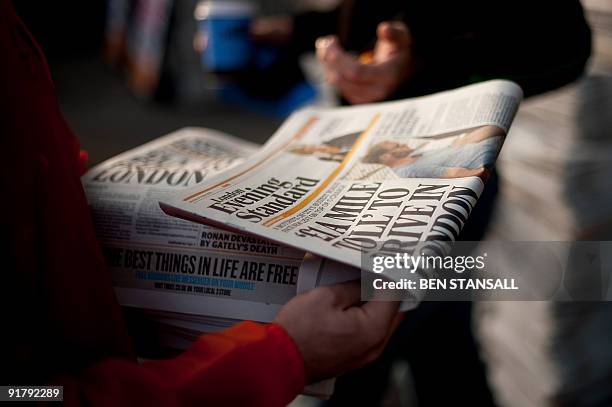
(163, 263)
(342, 182)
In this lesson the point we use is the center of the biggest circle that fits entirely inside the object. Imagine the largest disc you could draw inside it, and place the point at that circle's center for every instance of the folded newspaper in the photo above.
(331, 182)
(177, 274)
(170, 266)
(350, 182)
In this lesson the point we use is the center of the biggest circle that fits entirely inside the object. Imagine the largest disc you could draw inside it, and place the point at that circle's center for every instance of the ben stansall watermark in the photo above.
(496, 270)
(395, 266)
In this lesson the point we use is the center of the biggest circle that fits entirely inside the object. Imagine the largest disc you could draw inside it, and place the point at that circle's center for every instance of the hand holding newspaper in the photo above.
(353, 181)
(182, 277)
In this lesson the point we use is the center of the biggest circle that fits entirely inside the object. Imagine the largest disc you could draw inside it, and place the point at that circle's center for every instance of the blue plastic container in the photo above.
(225, 26)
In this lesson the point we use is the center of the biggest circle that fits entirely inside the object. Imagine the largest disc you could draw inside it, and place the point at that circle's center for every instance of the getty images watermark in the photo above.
(461, 271)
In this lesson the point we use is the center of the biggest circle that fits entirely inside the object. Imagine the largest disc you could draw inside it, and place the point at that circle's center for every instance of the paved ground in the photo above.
(108, 119)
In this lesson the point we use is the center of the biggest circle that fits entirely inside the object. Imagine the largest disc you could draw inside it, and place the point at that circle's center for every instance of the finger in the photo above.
(371, 73)
(353, 92)
(395, 32)
(336, 58)
(351, 69)
(325, 50)
(346, 294)
(323, 44)
(340, 64)
(357, 93)
(331, 76)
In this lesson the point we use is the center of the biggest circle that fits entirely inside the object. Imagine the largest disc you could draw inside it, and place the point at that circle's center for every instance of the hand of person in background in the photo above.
(275, 30)
(372, 77)
(334, 332)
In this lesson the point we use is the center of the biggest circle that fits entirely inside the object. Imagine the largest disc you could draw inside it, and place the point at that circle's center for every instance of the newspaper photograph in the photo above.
(167, 264)
(339, 182)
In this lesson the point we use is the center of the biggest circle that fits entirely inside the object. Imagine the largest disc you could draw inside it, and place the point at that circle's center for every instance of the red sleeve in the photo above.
(247, 365)
(65, 324)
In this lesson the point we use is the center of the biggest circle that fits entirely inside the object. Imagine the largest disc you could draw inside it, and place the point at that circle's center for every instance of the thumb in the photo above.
(394, 32)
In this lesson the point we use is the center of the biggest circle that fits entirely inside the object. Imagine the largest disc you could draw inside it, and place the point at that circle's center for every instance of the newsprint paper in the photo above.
(338, 182)
(186, 277)
(173, 266)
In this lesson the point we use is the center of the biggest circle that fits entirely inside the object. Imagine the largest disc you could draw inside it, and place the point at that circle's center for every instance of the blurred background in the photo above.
(126, 72)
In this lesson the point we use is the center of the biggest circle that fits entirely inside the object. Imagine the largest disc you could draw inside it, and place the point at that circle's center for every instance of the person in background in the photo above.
(61, 322)
(392, 49)
(403, 48)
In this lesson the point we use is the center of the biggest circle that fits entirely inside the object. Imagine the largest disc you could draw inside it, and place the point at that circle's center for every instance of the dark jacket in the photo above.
(540, 44)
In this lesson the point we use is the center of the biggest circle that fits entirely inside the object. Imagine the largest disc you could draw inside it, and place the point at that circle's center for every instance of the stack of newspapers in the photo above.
(201, 230)
(188, 278)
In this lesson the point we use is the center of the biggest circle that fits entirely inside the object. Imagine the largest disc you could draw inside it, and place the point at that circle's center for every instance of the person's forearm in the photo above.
(540, 45)
(249, 364)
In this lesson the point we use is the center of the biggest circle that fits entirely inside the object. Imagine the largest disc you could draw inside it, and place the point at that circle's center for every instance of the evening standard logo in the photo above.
(266, 200)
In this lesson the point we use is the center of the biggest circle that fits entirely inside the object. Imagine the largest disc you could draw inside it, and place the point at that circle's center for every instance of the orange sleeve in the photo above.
(58, 276)
(249, 364)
